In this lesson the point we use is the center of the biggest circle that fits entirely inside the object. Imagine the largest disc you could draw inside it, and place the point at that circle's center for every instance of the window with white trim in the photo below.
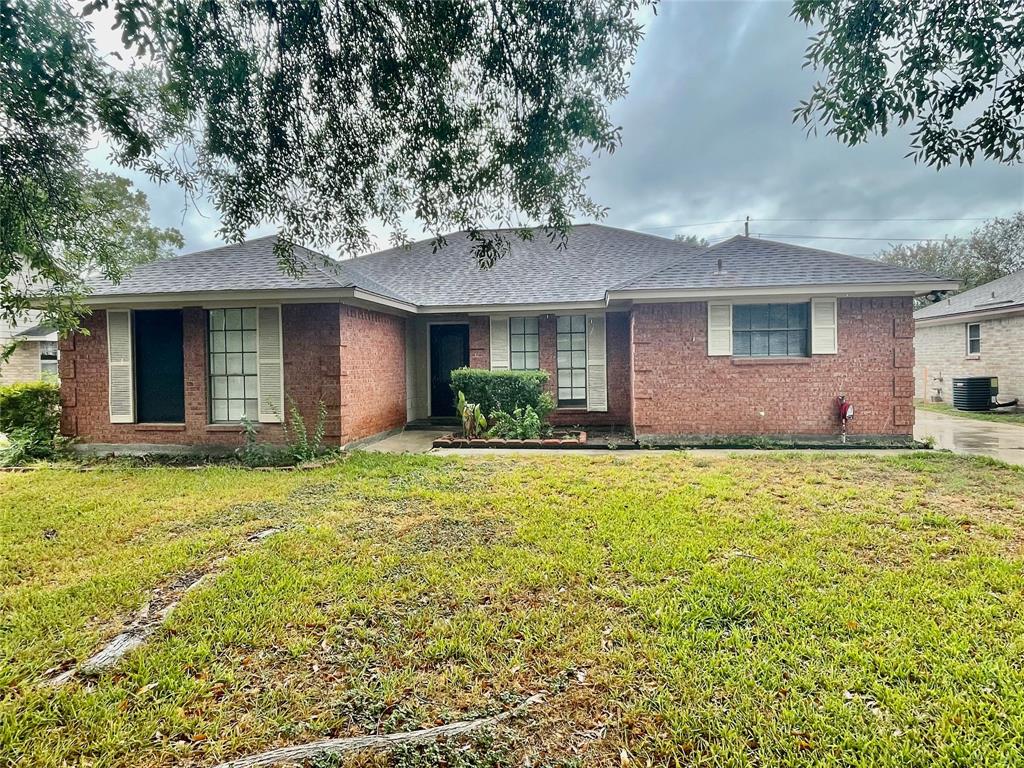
(48, 357)
(770, 330)
(974, 338)
(571, 350)
(233, 371)
(524, 343)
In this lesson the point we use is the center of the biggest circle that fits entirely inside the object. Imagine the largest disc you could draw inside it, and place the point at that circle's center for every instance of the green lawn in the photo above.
(1002, 417)
(777, 609)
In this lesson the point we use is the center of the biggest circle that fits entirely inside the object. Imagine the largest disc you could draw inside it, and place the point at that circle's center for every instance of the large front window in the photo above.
(770, 330)
(571, 345)
(524, 341)
(233, 373)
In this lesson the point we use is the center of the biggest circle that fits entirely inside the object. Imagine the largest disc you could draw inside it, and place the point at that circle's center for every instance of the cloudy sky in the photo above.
(708, 139)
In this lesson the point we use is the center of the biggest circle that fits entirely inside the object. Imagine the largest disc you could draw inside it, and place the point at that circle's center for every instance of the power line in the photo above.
(843, 237)
(848, 220)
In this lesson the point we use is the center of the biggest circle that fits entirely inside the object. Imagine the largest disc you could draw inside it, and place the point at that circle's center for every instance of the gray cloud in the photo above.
(708, 136)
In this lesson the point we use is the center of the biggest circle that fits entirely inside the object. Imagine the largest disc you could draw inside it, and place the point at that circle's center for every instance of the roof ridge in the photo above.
(670, 265)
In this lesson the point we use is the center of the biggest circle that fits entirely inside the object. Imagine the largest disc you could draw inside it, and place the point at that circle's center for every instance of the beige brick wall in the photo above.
(941, 354)
(23, 365)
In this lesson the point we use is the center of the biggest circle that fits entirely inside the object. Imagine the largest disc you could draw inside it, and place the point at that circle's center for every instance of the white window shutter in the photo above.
(824, 327)
(269, 364)
(500, 355)
(597, 367)
(121, 394)
(719, 328)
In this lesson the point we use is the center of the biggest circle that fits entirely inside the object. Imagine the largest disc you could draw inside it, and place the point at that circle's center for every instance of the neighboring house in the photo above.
(979, 332)
(34, 357)
(749, 337)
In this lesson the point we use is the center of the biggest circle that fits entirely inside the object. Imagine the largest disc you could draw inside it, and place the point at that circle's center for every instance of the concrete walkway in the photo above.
(972, 436)
(954, 433)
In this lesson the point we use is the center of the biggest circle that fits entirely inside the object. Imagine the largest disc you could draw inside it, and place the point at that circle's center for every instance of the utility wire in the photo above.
(758, 219)
(842, 237)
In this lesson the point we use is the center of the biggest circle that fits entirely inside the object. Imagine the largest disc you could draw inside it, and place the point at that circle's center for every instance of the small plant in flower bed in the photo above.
(472, 415)
(521, 424)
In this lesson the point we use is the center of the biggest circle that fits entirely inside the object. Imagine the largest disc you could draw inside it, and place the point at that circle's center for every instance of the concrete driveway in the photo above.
(964, 435)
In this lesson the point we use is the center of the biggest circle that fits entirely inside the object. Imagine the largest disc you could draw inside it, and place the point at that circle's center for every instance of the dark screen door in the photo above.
(159, 367)
(449, 349)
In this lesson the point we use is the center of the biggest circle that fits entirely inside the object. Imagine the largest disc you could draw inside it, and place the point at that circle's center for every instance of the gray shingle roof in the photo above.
(1004, 293)
(749, 262)
(248, 266)
(536, 271)
(596, 260)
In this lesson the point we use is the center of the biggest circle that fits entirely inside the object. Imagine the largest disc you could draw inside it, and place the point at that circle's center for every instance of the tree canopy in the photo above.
(992, 250)
(59, 220)
(951, 69)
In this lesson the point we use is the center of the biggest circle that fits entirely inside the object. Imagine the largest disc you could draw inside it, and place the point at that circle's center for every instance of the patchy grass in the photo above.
(1012, 416)
(783, 609)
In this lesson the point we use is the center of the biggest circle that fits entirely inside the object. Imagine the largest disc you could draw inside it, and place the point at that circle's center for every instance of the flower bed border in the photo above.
(574, 440)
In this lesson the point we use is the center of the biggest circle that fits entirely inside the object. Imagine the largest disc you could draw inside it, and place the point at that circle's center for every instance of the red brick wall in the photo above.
(479, 342)
(311, 337)
(372, 373)
(679, 390)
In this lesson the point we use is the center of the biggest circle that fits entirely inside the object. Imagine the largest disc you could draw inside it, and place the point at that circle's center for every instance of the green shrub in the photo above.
(30, 417)
(33, 405)
(504, 390)
(521, 424)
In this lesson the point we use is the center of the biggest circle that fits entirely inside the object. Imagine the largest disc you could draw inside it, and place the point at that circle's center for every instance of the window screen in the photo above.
(524, 342)
(770, 330)
(571, 347)
(974, 338)
(233, 364)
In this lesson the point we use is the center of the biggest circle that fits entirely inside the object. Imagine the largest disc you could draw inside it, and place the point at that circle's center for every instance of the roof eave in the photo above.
(243, 297)
(986, 313)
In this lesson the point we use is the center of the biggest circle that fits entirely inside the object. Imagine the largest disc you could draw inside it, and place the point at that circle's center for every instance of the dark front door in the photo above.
(159, 367)
(449, 349)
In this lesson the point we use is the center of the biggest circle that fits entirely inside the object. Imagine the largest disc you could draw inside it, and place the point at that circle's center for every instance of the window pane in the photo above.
(249, 318)
(579, 341)
(250, 387)
(518, 361)
(564, 341)
(530, 324)
(758, 343)
(740, 317)
(778, 315)
(220, 387)
(579, 378)
(564, 394)
(579, 324)
(216, 319)
(579, 394)
(532, 343)
(236, 409)
(236, 386)
(217, 365)
(233, 319)
(741, 343)
(564, 359)
(579, 359)
(249, 363)
(562, 324)
(798, 315)
(234, 363)
(778, 343)
(564, 378)
(249, 341)
(251, 410)
(216, 341)
(798, 343)
(532, 360)
(515, 325)
(220, 410)
(759, 316)
(233, 341)
(518, 344)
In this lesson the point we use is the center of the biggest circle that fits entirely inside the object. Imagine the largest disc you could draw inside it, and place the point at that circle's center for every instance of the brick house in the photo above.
(979, 332)
(748, 337)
